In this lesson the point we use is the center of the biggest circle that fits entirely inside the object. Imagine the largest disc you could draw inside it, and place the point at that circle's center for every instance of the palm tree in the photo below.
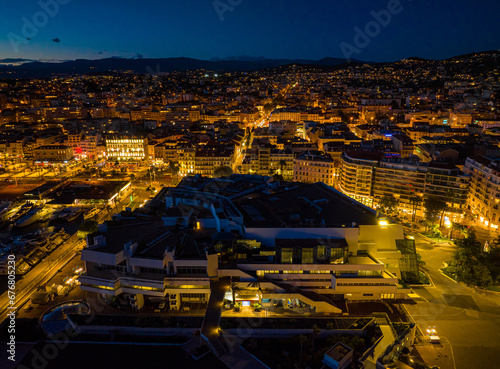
(234, 290)
(415, 201)
(256, 285)
(174, 168)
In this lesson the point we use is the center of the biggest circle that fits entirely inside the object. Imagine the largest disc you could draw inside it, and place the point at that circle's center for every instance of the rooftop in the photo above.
(338, 352)
(304, 205)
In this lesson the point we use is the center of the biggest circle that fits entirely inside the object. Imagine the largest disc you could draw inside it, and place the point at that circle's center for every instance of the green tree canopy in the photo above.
(223, 171)
(88, 227)
(434, 208)
(389, 204)
(472, 262)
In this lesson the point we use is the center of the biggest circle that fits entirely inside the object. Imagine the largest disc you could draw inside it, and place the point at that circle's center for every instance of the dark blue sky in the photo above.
(272, 28)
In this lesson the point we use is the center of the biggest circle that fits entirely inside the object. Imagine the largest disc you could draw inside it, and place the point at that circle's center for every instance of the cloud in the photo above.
(139, 56)
(56, 40)
(99, 53)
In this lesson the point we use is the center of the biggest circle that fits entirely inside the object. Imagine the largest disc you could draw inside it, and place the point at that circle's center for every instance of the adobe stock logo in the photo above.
(223, 6)
(30, 28)
(363, 37)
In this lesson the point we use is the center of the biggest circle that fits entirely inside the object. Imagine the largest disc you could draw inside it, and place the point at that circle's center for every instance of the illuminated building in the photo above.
(367, 178)
(356, 174)
(308, 244)
(126, 148)
(311, 168)
(53, 153)
(484, 194)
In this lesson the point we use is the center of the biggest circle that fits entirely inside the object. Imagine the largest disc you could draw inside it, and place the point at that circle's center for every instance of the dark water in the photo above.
(69, 227)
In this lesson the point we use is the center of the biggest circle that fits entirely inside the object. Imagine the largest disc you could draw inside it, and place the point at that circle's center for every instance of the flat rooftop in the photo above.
(310, 243)
(154, 239)
(84, 190)
(339, 352)
(42, 189)
(303, 205)
(140, 230)
(228, 187)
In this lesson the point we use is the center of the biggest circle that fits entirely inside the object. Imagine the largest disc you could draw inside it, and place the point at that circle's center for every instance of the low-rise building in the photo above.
(53, 153)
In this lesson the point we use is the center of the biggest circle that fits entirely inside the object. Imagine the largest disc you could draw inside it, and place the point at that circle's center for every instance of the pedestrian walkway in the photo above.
(238, 358)
(210, 328)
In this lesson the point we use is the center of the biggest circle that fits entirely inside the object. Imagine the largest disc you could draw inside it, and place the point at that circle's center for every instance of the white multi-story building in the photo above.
(308, 245)
(484, 190)
(126, 148)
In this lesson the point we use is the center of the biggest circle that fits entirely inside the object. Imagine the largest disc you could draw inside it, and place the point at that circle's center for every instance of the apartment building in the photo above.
(356, 173)
(266, 160)
(403, 145)
(209, 158)
(369, 178)
(484, 193)
(314, 167)
(283, 125)
(53, 153)
(412, 181)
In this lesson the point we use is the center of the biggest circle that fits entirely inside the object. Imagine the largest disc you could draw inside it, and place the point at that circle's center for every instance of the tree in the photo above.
(256, 285)
(282, 164)
(174, 169)
(434, 208)
(458, 227)
(472, 262)
(415, 202)
(88, 227)
(389, 204)
(223, 171)
(234, 290)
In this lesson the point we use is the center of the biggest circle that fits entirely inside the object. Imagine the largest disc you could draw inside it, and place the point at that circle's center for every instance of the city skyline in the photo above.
(259, 184)
(385, 31)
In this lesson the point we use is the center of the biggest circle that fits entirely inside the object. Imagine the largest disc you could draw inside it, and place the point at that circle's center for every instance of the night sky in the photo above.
(313, 29)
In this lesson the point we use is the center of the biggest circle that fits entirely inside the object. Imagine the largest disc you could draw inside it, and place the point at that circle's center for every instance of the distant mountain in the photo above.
(141, 65)
(24, 68)
(14, 61)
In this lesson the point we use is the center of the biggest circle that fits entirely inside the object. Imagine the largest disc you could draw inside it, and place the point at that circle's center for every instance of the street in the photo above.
(466, 319)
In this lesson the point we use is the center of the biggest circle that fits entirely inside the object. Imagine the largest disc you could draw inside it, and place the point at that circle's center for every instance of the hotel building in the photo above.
(126, 148)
